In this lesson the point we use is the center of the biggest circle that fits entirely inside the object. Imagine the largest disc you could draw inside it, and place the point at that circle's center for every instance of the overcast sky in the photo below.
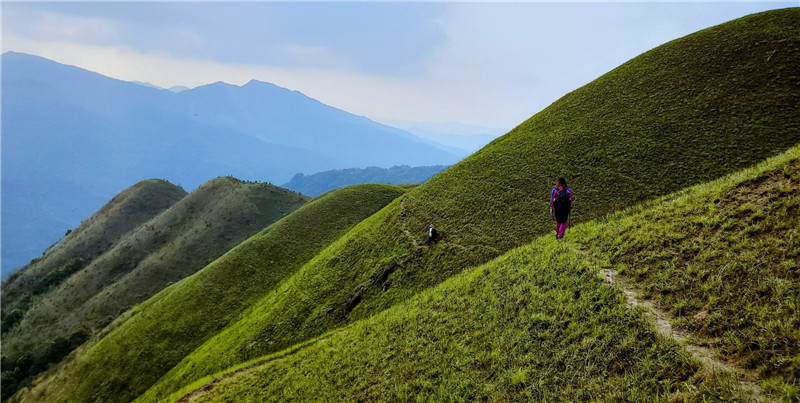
(486, 64)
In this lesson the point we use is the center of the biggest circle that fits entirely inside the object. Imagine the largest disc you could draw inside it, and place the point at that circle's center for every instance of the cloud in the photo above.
(483, 64)
(45, 25)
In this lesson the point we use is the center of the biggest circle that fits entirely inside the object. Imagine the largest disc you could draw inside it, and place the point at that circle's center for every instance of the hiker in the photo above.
(433, 235)
(560, 203)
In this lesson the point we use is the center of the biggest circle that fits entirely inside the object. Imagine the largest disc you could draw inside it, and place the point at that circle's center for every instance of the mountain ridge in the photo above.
(171, 245)
(321, 182)
(69, 131)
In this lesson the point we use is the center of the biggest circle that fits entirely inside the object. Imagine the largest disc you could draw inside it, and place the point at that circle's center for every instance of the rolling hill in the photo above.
(497, 198)
(689, 111)
(172, 245)
(72, 139)
(201, 305)
(96, 235)
(539, 323)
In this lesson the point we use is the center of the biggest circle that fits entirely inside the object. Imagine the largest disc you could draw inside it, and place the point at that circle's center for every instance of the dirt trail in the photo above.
(661, 321)
(209, 386)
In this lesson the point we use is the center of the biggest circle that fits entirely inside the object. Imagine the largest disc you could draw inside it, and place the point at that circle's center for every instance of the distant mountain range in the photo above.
(321, 182)
(461, 138)
(73, 138)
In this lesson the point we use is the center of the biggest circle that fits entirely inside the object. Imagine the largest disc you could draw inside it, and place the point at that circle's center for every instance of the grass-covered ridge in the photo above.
(538, 324)
(123, 213)
(35, 283)
(155, 335)
(684, 113)
(172, 245)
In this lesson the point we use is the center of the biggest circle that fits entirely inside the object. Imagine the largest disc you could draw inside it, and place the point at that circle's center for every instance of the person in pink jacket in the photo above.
(561, 198)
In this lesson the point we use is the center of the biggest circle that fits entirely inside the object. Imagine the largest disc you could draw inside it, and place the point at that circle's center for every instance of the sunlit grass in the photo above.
(539, 324)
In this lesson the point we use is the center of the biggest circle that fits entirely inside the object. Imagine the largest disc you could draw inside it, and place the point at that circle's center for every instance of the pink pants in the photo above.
(561, 227)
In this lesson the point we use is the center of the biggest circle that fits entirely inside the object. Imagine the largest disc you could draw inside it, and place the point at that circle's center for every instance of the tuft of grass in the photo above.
(157, 334)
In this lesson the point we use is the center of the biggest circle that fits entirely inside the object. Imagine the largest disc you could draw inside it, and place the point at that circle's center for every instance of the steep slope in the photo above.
(126, 211)
(691, 110)
(538, 323)
(184, 315)
(321, 182)
(176, 243)
(73, 138)
(613, 151)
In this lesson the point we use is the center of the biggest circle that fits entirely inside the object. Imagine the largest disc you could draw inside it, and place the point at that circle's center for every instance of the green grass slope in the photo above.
(689, 111)
(538, 323)
(32, 284)
(124, 212)
(725, 261)
(176, 243)
(155, 335)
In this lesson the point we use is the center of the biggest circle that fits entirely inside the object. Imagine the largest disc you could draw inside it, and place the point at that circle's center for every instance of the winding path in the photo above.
(661, 321)
(209, 386)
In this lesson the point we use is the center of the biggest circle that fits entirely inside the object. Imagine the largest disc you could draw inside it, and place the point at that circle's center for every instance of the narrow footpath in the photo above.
(661, 321)
(209, 386)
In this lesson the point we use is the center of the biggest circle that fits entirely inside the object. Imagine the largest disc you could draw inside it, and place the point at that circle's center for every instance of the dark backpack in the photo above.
(561, 204)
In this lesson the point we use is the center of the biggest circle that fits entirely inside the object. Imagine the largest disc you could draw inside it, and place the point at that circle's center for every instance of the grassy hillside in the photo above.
(538, 323)
(33, 284)
(725, 261)
(159, 332)
(176, 243)
(654, 125)
(689, 111)
(126, 211)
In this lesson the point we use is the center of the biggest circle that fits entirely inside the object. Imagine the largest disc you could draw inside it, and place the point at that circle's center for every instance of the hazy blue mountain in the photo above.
(321, 182)
(460, 138)
(73, 138)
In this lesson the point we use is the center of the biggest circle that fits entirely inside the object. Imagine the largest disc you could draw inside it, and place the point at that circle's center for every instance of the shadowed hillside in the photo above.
(176, 243)
(689, 111)
(126, 211)
(184, 315)
(539, 324)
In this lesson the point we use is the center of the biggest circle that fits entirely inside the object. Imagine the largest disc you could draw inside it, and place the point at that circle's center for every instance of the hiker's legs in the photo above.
(561, 227)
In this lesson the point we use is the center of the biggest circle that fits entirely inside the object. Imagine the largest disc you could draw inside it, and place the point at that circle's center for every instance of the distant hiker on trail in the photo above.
(433, 235)
(560, 204)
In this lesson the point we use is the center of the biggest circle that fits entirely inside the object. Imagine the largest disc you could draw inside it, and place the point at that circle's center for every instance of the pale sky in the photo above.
(487, 64)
